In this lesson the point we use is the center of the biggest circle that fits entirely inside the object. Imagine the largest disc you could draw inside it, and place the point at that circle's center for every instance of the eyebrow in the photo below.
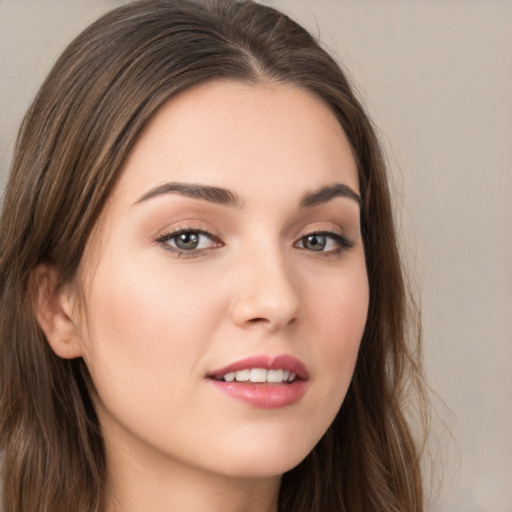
(325, 194)
(208, 193)
(225, 197)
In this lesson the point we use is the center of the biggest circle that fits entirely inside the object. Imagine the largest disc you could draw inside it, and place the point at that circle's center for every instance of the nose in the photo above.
(267, 294)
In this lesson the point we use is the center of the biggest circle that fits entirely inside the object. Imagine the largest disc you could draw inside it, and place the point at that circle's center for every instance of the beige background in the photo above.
(437, 78)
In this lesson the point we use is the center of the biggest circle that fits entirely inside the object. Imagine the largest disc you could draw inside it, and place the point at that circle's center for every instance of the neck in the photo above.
(162, 485)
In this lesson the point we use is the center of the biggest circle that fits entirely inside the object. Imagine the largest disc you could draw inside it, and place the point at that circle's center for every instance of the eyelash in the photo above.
(342, 241)
(175, 233)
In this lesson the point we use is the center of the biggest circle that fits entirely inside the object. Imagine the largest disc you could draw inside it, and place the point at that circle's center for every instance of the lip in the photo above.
(263, 396)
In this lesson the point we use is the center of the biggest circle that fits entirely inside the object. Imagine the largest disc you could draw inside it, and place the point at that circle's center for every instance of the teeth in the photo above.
(275, 376)
(243, 375)
(260, 375)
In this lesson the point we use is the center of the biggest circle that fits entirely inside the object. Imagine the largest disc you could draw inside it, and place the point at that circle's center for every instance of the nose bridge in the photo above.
(267, 291)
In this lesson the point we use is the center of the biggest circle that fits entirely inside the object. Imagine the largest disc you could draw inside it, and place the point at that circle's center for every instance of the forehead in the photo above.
(263, 138)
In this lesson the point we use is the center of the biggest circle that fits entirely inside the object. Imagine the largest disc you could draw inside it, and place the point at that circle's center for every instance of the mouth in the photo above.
(263, 369)
(266, 382)
(259, 376)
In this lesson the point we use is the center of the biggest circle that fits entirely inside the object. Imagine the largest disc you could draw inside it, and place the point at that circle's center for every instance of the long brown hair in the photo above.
(72, 143)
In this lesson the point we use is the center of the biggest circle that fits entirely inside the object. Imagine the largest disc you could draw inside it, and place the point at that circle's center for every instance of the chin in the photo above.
(263, 467)
(267, 459)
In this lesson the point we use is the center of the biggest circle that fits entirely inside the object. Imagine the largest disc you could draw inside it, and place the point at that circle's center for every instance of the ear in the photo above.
(54, 308)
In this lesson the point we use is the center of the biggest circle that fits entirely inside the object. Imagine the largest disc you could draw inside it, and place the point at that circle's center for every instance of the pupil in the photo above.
(187, 241)
(315, 242)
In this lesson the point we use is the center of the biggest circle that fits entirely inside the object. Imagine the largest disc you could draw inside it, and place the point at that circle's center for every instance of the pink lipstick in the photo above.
(264, 381)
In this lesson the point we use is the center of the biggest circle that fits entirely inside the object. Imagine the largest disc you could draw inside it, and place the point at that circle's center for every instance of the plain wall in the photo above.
(437, 79)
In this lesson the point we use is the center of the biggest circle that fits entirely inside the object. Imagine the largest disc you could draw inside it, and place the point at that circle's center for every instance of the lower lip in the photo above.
(263, 396)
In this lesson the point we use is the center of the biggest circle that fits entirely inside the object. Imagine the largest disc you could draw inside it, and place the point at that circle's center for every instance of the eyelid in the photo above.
(344, 243)
(175, 232)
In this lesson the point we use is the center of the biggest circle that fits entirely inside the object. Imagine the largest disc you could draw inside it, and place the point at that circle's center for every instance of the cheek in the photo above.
(143, 318)
(339, 313)
(339, 302)
(148, 330)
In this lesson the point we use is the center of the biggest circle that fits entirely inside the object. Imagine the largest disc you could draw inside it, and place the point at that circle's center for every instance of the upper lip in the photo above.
(267, 362)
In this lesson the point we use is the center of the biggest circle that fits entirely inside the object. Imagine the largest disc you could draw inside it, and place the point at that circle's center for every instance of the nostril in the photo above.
(268, 322)
(258, 321)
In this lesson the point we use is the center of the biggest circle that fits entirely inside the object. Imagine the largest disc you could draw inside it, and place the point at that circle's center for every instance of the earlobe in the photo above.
(53, 307)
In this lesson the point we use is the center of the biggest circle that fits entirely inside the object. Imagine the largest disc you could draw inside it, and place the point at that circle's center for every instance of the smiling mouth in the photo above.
(263, 381)
(259, 376)
(262, 369)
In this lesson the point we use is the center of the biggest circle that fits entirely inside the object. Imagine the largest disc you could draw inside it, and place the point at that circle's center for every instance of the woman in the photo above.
(203, 305)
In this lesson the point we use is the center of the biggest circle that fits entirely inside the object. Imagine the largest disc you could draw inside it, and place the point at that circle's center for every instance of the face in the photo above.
(230, 249)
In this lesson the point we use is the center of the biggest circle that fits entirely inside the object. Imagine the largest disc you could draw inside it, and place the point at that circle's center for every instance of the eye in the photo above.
(188, 242)
(325, 242)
